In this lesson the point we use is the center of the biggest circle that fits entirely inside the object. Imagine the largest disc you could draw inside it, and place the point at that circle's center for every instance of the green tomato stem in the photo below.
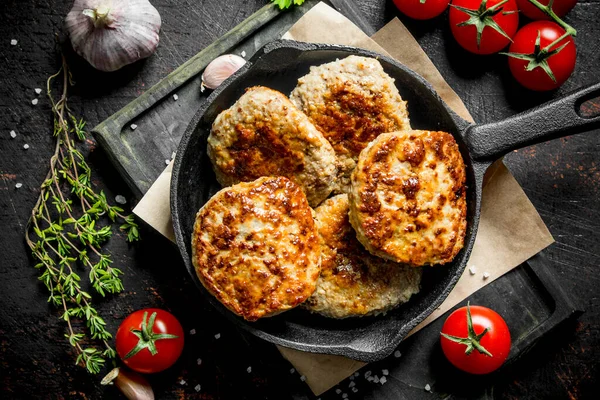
(147, 337)
(549, 12)
(473, 340)
(557, 41)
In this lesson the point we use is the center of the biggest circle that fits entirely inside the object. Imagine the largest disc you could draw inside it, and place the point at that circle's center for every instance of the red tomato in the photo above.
(422, 9)
(150, 340)
(562, 63)
(465, 23)
(495, 341)
(560, 8)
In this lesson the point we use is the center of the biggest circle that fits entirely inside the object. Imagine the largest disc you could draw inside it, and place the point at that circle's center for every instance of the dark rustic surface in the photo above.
(561, 178)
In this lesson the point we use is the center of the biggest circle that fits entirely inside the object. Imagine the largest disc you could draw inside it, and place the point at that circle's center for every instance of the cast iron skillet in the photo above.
(279, 65)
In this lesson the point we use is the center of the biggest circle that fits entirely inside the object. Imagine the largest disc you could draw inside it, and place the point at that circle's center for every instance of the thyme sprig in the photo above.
(66, 230)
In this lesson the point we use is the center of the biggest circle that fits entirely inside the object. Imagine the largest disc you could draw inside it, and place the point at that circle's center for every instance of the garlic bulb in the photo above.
(110, 34)
(220, 69)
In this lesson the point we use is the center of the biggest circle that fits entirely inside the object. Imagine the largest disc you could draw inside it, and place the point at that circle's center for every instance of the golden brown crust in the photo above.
(352, 101)
(354, 282)
(264, 134)
(255, 247)
(408, 198)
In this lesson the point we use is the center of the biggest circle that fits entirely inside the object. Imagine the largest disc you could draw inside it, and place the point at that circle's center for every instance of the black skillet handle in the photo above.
(551, 120)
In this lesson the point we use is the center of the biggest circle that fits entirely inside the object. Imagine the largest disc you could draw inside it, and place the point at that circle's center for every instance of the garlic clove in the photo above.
(133, 385)
(110, 34)
(220, 69)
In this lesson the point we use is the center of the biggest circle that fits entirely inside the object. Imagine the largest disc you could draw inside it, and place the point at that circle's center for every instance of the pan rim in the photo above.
(345, 350)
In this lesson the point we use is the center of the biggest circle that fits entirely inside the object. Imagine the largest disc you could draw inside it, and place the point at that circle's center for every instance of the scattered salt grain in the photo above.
(370, 379)
(34, 101)
(397, 354)
(249, 369)
(354, 390)
(243, 54)
(13, 42)
(120, 199)
(302, 378)
(167, 162)
(486, 275)
(383, 380)
(356, 373)
(197, 388)
(182, 382)
(38, 90)
(428, 388)
(13, 134)
(352, 384)
(192, 331)
(376, 379)
(26, 146)
(175, 97)
(133, 127)
(472, 270)
(292, 370)
(199, 361)
(338, 391)
(368, 374)
(218, 336)
(385, 372)
(344, 395)
(19, 185)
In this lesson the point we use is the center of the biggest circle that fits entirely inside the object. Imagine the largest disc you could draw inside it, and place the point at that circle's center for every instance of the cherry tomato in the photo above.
(496, 21)
(561, 64)
(150, 340)
(560, 8)
(422, 9)
(475, 339)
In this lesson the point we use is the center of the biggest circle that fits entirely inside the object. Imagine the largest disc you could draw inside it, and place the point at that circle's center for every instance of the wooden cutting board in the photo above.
(530, 295)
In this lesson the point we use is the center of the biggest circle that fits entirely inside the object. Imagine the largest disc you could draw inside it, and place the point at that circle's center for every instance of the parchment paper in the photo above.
(510, 230)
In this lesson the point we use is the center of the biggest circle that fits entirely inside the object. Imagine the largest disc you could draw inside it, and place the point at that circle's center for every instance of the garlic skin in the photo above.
(110, 34)
(220, 69)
